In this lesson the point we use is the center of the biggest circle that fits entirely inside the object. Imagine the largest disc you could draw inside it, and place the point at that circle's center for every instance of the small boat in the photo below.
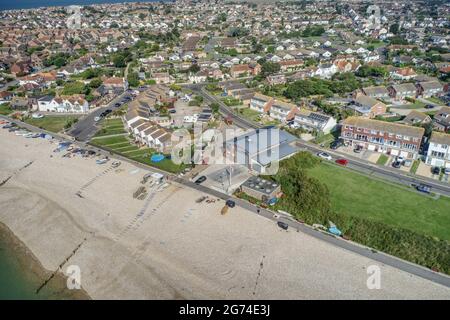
(102, 161)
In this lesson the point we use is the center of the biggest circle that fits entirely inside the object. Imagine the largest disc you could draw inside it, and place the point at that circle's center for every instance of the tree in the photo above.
(194, 68)
(268, 68)
(72, 88)
(95, 83)
(133, 79)
(394, 28)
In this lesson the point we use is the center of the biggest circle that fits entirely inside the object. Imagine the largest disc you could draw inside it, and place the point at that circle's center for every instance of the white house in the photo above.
(311, 121)
(73, 104)
(439, 150)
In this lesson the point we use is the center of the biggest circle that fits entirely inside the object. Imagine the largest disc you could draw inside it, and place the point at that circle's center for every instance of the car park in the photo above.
(324, 155)
(342, 162)
(200, 180)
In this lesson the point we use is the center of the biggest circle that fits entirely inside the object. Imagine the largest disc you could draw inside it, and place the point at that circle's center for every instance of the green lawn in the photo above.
(382, 159)
(355, 194)
(250, 114)
(436, 100)
(5, 109)
(123, 146)
(110, 127)
(414, 166)
(51, 123)
(110, 141)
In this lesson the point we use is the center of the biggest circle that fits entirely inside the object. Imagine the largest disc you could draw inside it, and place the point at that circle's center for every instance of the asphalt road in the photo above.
(386, 173)
(293, 224)
(86, 127)
(223, 108)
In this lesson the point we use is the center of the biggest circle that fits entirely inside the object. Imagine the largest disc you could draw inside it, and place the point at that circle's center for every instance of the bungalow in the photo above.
(376, 92)
(276, 79)
(325, 70)
(290, 65)
(429, 88)
(438, 153)
(245, 69)
(441, 120)
(314, 121)
(406, 73)
(367, 106)
(115, 83)
(5, 96)
(402, 91)
(161, 77)
(415, 118)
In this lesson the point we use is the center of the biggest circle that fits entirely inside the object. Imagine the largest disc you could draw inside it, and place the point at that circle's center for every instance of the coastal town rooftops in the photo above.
(383, 126)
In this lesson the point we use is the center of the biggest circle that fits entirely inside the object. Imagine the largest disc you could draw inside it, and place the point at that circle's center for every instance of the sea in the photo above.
(30, 4)
(22, 276)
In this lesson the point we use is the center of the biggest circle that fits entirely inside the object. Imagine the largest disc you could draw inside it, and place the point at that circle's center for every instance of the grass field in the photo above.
(5, 109)
(51, 123)
(355, 194)
(250, 114)
(123, 146)
(111, 127)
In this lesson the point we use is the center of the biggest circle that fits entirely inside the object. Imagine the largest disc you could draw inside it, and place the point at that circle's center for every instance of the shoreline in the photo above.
(34, 273)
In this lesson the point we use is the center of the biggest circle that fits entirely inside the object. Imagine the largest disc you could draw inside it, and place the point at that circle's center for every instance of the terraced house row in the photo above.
(144, 122)
(384, 137)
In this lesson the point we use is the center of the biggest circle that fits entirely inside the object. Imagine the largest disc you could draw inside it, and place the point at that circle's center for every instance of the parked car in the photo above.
(37, 116)
(336, 144)
(97, 119)
(358, 149)
(447, 171)
(429, 106)
(200, 180)
(342, 162)
(396, 164)
(423, 188)
(230, 203)
(324, 155)
(435, 170)
(283, 225)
